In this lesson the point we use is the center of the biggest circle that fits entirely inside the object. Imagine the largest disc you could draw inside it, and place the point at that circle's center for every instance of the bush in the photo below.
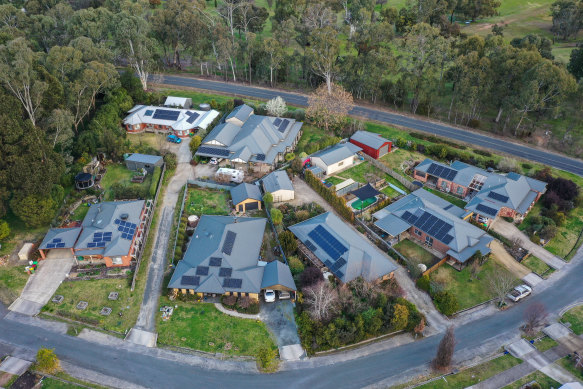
(424, 283)
(155, 179)
(446, 302)
(4, 230)
(266, 357)
(507, 164)
(300, 114)
(483, 152)
(526, 166)
(288, 242)
(296, 266)
(47, 361)
(400, 317)
(310, 276)
(170, 160)
(276, 216)
(229, 301)
(290, 156)
(474, 123)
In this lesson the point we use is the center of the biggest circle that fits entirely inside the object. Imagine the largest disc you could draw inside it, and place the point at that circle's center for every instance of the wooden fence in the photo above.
(406, 183)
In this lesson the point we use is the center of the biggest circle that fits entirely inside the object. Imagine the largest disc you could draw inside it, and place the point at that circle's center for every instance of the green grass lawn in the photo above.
(545, 344)
(156, 141)
(12, 281)
(411, 249)
(469, 291)
(361, 172)
(207, 201)
(452, 199)
(575, 317)
(568, 364)
(390, 192)
(538, 266)
(201, 326)
(334, 180)
(395, 159)
(96, 293)
(199, 98)
(118, 173)
(19, 233)
(473, 375)
(310, 134)
(51, 383)
(542, 379)
(80, 212)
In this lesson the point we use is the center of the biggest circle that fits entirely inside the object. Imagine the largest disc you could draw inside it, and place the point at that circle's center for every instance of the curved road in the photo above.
(504, 145)
(145, 367)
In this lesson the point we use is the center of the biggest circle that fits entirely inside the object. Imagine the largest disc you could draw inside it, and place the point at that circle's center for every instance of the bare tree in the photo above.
(444, 355)
(534, 316)
(321, 300)
(500, 282)
(329, 108)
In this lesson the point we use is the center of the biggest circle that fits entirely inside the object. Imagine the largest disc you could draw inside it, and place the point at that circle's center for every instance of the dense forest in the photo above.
(62, 95)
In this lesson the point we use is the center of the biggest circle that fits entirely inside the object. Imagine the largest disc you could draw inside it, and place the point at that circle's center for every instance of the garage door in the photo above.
(384, 150)
(251, 206)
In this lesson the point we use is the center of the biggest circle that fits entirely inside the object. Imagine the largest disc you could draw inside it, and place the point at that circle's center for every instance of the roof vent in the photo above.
(124, 216)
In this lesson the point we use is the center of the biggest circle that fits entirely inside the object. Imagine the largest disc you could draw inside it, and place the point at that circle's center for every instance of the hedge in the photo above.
(155, 179)
(337, 202)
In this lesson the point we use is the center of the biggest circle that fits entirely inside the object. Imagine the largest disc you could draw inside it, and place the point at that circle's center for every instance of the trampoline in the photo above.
(362, 204)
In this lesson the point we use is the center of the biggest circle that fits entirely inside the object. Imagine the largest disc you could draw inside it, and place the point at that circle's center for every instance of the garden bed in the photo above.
(205, 201)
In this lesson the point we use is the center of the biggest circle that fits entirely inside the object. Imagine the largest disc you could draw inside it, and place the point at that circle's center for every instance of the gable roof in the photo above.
(60, 238)
(245, 191)
(276, 273)
(370, 139)
(241, 112)
(437, 218)
(338, 152)
(277, 180)
(346, 253)
(144, 158)
(174, 101)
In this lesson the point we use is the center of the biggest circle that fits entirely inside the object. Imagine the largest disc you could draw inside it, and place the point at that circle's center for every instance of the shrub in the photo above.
(276, 107)
(483, 152)
(170, 160)
(276, 216)
(155, 179)
(526, 166)
(4, 230)
(507, 164)
(310, 276)
(290, 156)
(446, 302)
(424, 283)
(229, 301)
(267, 198)
(288, 242)
(300, 114)
(296, 266)
(243, 302)
(266, 357)
(195, 143)
(47, 361)
(400, 317)
(302, 215)
(474, 123)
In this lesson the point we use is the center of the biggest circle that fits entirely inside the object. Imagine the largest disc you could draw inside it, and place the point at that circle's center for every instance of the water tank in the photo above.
(204, 107)
(192, 220)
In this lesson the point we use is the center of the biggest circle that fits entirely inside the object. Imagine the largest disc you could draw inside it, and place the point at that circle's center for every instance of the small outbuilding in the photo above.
(178, 102)
(246, 197)
(335, 158)
(372, 144)
(84, 181)
(144, 161)
(279, 185)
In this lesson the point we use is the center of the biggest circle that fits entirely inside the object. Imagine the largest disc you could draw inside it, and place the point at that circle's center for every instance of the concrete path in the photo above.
(41, 286)
(532, 279)
(144, 332)
(14, 365)
(229, 312)
(565, 337)
(510, 231)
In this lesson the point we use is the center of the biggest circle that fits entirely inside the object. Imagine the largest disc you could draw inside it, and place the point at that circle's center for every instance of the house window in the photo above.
(460, 190)
(340, 163)
(420, 174)
(429, 241)
(417, 232)
(116, 261)
(444, 185)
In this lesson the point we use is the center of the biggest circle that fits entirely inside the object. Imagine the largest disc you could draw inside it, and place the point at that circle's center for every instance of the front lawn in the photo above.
(468, 291)
(12, 281)
(474, 374)
(412, 250)
(574, 316)
(447, 197)
(96, 293)
(204, 201)
(200, 326)
(568, 364)
(538, 266)
(120, 174)
(362, 172)
(542, 379)
(545, 344)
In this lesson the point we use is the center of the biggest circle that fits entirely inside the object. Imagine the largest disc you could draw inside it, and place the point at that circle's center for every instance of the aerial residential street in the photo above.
(414, 123)
(145, 366)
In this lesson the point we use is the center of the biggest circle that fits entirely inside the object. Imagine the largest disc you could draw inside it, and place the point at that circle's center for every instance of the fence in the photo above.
(211, 184)
(406, 183)
(267, 211)
(177, 222)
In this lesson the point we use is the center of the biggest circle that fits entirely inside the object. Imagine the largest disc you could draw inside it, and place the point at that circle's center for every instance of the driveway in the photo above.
(41, 286)
(505, 259)
(279, 318)
(511, 232)
(304, 194)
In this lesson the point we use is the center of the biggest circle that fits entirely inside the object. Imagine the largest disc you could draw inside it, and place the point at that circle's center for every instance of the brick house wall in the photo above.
(437, 245)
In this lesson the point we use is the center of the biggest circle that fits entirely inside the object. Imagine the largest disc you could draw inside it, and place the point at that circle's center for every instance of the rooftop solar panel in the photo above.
(117, 221)
(487, 210)
(193, 117)
(50, 245)
(91, 244)
(328, 263)
(60, 245)
(312, 247)
(446, 239)
(277, 122)
(164, 114)
(190, 280)
(498, 197)
(202, 270)
(108, 233)
(213, 151)
(225, 272)
(340, 274)
(260, 157)
(57, 240)
(149, 112)
(215, 261)
(327, 242)
(229, 242)
(283, 125)
(234, 283)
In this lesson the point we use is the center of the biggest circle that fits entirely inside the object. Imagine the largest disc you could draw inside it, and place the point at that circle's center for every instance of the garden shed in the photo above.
(144, 161)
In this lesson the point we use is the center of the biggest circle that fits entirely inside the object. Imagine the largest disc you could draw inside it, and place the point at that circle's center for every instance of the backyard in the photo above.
(468, 290)
(447, 197)
(362, 173)
(119, 174)
(12, 281)
(538, 266)
(574, 317)
(200, 326)
(207, 201)
(412, 250)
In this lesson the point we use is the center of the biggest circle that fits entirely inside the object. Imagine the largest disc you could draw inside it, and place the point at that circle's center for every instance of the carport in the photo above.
(61, 239)
(277, 276)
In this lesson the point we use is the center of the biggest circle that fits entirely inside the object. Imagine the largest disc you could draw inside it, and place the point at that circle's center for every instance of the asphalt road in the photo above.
(147, 370)
(504, 145)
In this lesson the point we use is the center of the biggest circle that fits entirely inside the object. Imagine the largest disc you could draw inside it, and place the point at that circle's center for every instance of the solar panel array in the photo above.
(431, 225)
(498, 197)
(310, 245)
(165, 114)
(448, 207)
(338, 265)
(213, 151)
(229, 242)
(442, 171)
(56, 243)
(277, 122)
(225, 272)
(202, 271)
(327, 242)
(487, 210)
(127, 229)
(99, 239)
(190, 280)
(193, 116)
(234, 283)
(149, 112)
(215, 261)
(283, 125)
(260, 157)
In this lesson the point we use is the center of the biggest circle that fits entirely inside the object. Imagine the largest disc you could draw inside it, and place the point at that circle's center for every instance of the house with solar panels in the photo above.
(222, 258)
(435, 224)
(488, 194)
(111, 233)
(246, 140)
(344, 252)
(177, 121)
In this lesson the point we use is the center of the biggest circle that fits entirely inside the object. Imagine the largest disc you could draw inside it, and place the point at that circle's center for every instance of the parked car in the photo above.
(519, 292)
(173, 139)
(283, 295)
(215, 161)
(269, 296)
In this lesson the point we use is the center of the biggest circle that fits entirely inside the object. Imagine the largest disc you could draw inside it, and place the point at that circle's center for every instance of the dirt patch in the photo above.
(26, 381)
(502, 257)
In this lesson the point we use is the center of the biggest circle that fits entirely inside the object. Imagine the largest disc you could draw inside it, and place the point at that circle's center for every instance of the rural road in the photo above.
(415, 123)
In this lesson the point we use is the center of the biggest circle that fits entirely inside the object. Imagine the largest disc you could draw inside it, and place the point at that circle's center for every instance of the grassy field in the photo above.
(207, 201)
(570, 367)
(199, 98)
(334, 180)
(361, 172)
(538, 266)
(118, 173)
(542, 379)
(473, 375)
(156, 141)
(575, 317)
(310, 134)
(411, 249)
(545, 344)
(452, 199)
(12, 281)
(469, 291)
(201, 326)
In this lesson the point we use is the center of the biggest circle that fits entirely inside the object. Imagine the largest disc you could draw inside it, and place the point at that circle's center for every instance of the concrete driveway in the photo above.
(41, 286)
(510, 231)
(279, 318)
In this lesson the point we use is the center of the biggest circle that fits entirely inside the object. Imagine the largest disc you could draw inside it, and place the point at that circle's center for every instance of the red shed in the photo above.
(372, 144)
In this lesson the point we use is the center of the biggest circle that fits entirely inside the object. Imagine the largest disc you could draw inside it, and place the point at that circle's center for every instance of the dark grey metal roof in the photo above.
(245, 191)
(370, 139)
(277, 273)
(60, 238)
(144, 158)
(278, 180)
(337, 153)
(365, 192)
(242, 112)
